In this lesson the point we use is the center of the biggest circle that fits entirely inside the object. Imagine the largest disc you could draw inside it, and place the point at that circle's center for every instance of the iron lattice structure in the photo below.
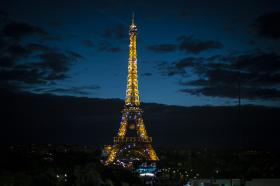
(132, 142)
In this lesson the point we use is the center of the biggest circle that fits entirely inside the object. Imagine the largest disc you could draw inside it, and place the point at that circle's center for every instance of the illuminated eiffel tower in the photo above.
(132, 142)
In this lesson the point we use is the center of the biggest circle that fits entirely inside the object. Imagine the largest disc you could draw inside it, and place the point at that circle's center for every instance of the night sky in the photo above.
(189, 52)
(63, 71)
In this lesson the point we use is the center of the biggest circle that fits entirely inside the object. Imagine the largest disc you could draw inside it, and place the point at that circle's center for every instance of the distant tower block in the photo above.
(132, 142)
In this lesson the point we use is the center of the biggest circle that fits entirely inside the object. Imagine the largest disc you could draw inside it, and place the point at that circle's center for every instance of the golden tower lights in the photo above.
(136, 146)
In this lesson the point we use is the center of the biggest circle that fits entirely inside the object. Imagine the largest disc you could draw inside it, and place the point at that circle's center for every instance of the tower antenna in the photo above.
(133, 16)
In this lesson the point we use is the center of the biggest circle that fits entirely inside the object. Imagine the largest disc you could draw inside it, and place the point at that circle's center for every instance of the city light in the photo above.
(147, 174)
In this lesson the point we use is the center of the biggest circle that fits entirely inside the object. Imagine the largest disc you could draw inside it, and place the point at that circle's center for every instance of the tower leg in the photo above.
(112, 156)
(152, 153)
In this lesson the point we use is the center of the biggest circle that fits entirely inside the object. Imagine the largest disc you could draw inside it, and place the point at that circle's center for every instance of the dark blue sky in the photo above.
(189, 52)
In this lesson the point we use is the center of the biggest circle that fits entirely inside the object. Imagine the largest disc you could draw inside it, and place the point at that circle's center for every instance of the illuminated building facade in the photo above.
(132, 142)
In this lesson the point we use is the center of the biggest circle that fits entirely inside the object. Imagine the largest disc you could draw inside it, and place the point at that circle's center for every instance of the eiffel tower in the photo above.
(132, 142)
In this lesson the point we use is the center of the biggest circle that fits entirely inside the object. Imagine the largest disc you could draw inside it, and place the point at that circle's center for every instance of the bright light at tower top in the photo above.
(133, 27)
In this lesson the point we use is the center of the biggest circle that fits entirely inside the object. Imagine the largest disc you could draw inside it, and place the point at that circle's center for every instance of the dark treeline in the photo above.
(29, 118)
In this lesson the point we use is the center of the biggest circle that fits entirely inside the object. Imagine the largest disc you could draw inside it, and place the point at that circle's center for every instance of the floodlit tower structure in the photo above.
(132, 142)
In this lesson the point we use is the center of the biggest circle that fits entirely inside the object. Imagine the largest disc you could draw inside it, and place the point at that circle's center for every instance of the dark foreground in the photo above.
(47, 165)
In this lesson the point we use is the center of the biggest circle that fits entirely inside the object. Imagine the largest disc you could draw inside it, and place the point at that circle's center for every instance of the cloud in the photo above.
(82, 90)
(16, 51)
(186, 44)
(51, 66)
(117, 32)
(18, 30)
(11, 46)
(268, 25)
(52, 38)
(56, 76)
(36, 47)
(177, 67)
(25, 64)
(56, 61)
(190, 45)
(258, 69)
(106, 47)
(229, 91)
(74, 55)
(56, 64)
(258, 63)
(12, 52)
(165, 69)
(88, 43)
(114, 34)
(17, 75)
(219, 76)
(162, 48)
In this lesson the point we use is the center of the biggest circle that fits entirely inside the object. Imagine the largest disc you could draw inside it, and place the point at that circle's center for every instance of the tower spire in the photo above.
(133, 17)
(132, 92)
